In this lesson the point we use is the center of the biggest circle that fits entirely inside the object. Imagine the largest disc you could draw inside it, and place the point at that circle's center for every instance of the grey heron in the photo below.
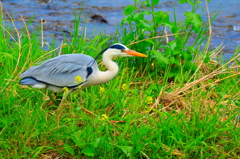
(73, 71)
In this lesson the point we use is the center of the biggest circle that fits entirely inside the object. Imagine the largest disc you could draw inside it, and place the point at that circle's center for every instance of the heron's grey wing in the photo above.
(63, 70)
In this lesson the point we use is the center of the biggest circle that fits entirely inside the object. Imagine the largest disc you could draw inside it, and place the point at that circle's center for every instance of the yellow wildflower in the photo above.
(78, 79)
(65, 89)
(124, 86)
(101, 90)
(104, 117)
(149, 100)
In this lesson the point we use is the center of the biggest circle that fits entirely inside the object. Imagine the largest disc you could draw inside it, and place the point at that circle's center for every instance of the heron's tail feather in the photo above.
(32, 82)
(28, 81)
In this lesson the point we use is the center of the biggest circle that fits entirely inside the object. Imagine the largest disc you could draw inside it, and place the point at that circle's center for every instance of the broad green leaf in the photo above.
(176, 61)
(160, 58)
(193, 67)
(126, 149)
(161, 17)
(176, 52)
(68, 149)
(194, 19)
(190, 66)
(146, 3)
(172, 44)
(96, 143)
(88, 152)
(155, 2)
(187, 55)
(190, 2)
(207, 59)
(173, 27)
(129, 10)
(150, 41)
(174, 71)
(144, 24)
(151, 88)
(182, 1)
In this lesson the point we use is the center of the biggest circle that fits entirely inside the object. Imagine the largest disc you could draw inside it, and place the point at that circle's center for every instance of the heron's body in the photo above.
(59, 72)
(52, 73)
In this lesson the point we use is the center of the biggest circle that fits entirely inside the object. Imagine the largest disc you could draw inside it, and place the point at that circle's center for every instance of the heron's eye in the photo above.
(122, 50)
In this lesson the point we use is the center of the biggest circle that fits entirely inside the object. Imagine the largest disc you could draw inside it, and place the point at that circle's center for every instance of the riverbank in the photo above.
(58, 18)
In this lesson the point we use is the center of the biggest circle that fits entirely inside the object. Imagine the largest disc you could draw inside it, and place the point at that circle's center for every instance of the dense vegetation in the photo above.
(180, 102)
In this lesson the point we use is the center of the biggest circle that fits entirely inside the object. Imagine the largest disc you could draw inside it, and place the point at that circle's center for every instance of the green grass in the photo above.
(161, 121)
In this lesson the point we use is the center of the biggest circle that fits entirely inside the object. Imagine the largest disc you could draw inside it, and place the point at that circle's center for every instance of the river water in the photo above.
(106, 15)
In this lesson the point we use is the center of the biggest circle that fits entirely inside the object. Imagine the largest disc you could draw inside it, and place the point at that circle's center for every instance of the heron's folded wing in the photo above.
(62, 71)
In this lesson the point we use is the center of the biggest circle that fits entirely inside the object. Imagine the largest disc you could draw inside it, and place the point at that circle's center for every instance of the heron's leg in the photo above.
(61, 102)
(54, 99)
(58, 110)
(59, 99)
(80, 96)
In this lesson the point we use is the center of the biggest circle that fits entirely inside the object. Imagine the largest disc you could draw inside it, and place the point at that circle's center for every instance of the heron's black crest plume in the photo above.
(117, 46)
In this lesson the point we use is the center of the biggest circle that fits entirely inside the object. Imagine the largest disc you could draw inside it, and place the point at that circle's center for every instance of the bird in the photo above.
(73, 71)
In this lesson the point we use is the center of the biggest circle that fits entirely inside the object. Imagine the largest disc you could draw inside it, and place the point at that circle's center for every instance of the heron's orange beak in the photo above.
(134, 53)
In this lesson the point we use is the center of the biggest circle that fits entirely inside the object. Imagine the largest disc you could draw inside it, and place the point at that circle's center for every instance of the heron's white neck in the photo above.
(111, 66)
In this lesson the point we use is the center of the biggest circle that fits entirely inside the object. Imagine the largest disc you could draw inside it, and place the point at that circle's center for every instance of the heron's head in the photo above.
(121, 50)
